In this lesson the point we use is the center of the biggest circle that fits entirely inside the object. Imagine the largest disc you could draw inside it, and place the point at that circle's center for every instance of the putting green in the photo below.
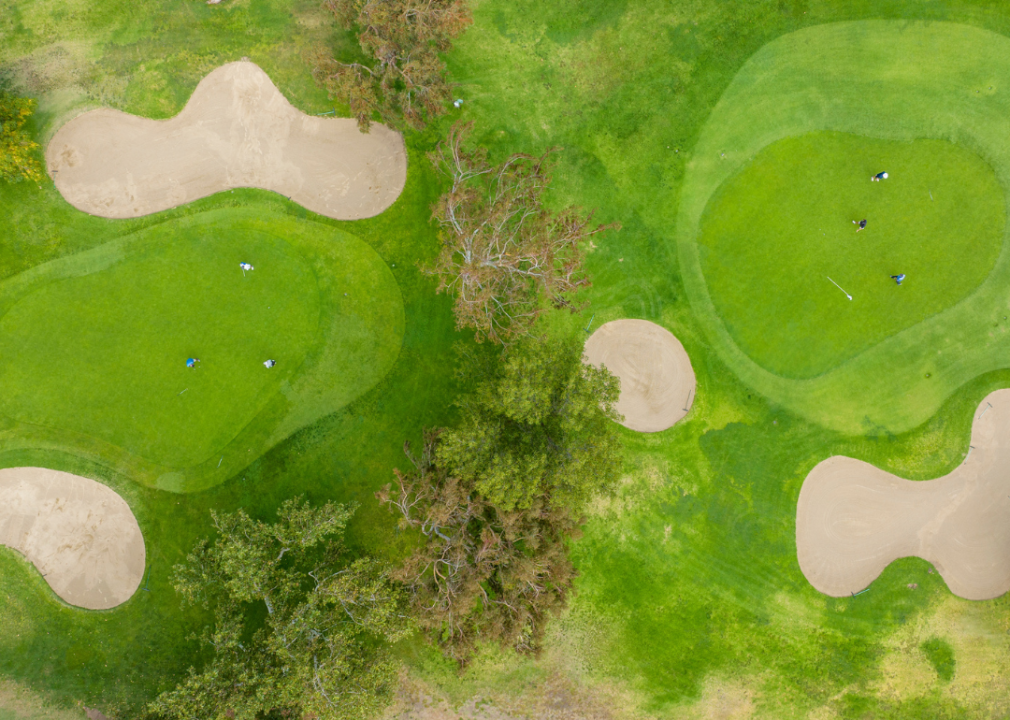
(900, 82)
(93, 347)
(774, 236)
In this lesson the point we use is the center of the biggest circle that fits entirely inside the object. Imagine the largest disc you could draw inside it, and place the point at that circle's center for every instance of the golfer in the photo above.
(269, 363)
(878, 177)
(245, 266)
(860, 223)
(898, 278)
(191, 362)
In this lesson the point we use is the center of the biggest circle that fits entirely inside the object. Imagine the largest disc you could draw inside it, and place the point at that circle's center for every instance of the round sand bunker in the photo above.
(237, 130)
(80, 534)
(657, 381)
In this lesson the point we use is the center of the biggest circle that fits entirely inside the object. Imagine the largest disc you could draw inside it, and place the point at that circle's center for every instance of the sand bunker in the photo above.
(80, 535)
(657, 382)
(853, 519)
(236, 131)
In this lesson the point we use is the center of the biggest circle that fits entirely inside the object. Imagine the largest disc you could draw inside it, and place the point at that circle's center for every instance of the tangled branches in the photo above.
(501, 248)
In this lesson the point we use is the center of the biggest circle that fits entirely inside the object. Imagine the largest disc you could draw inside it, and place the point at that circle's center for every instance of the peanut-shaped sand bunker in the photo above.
(237, 130)
(657, 381)
(853, 519)
(78, 533)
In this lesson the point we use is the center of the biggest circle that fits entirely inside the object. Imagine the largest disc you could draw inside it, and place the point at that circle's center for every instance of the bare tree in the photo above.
(483, 573)
(502, 250)
(404, 38)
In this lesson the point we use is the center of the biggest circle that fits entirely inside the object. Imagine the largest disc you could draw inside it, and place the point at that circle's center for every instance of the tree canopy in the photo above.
(502, 249)
(537, 427)
(405, 80)
(482, 574)
(497, 496)
(317, 652)
(18, 152)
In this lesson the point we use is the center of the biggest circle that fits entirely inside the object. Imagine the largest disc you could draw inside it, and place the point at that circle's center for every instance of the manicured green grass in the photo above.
(108, 367)
(896, 75)
(775, 235)
(688, 579)
(336, 432)
(689, 587)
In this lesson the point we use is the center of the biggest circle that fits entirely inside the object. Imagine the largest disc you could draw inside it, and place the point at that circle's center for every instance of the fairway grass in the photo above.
(93, 347)
(773, 235)
(896, 82)
(690, 601)
(689, 591)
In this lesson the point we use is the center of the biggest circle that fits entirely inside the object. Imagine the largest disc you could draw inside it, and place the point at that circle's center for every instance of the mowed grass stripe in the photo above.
(877, 79)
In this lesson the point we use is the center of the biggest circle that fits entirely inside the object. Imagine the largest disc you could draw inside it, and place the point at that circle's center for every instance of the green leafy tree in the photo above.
(405, 80)
(18, 152)
(497, 496)
(503, 252)
(318, 652)
(539, 426)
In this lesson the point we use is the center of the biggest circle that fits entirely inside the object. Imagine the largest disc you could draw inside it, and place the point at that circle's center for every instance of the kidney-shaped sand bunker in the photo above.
(237, 130)
(853, 519)
(657, 381)
(78, 533)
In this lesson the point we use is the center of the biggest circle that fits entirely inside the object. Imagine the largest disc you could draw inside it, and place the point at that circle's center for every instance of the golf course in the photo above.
(220, 297)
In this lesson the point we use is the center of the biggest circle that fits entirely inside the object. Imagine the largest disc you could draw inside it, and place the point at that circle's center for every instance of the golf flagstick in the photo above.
(840, 288)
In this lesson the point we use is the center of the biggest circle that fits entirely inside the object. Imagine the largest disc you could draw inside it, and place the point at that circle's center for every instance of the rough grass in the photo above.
(118, 660)
(690, 600)
(775, 235)
(689, 584)
(941, 656)
(19, 703)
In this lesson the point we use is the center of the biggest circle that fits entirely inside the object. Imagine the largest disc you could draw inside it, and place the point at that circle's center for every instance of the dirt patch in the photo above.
(722, 700)
(657, 381)
(853, 519)
(78, 533)
(237, 130)
(553, 697)
(17, 702)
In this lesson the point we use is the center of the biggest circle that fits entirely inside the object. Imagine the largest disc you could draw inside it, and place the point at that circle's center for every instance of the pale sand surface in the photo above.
(80, 534)
(853, 519)
(657, 381)
(237, 130)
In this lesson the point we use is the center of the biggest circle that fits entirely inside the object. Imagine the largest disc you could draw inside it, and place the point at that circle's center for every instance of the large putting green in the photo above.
(883, 360)
(775, 235)
(93, 347)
